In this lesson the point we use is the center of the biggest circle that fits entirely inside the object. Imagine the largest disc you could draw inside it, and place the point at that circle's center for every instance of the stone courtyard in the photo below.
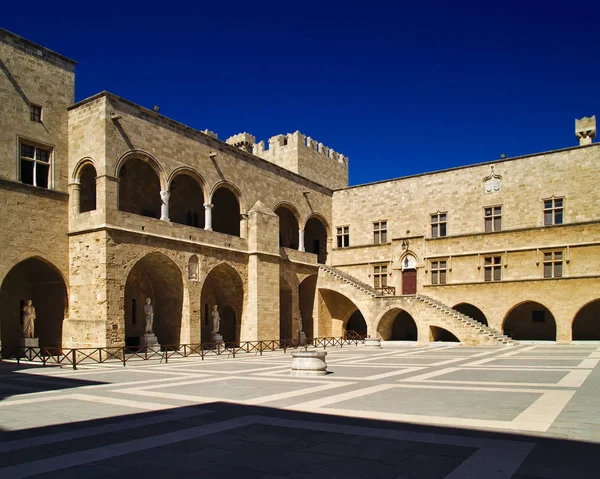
(528, 411)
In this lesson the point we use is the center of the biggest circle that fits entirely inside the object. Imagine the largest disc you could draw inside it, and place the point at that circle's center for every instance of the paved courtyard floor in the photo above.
(530, 411)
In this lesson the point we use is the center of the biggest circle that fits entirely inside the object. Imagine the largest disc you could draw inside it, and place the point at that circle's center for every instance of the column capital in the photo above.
(208, 205)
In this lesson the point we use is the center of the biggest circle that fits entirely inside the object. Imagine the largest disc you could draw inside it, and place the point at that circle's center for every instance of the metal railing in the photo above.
(76, 356)
(386, 290)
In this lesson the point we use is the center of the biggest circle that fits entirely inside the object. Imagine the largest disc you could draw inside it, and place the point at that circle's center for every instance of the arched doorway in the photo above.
(139, 188)
(315, 238)
(409, 274)
(357, 324)
(222, 287)
(186, 202)
(530, 320)
(39, 281)
(156, 277)
(307, 291)
(440, 334)
(586, 324)
(397, 325)
(288, 228)
(472, 311)
(285, 309)
(225, 212)
(87, 185)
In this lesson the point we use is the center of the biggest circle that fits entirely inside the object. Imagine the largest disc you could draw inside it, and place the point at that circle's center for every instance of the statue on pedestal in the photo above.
(149, 312)
(216, 320)
(28, 319)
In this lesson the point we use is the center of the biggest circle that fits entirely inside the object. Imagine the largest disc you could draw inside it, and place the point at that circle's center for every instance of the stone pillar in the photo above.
(243, 225)
(74, 197)
(164, 206)
(208, 216)
(301, 240)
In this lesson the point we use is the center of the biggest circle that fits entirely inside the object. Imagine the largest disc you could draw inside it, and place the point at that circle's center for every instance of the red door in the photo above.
(409, 281)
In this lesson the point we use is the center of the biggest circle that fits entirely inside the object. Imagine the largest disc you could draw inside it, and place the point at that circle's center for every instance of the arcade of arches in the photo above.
(156, 277)
(225, 212)
(186, 201)
(139, 189)
(288, 228)
(315, 238)
(530, 320)
(39, 281)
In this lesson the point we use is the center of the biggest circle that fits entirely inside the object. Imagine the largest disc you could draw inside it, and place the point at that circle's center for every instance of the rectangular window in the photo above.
(438, 225)
(439, 272)
(35, 113)
(35, 165)
(553, 264)
(553, 211)
(380, 274)
(380, 232)
(343, 236)
(492, 268)
(493, 218)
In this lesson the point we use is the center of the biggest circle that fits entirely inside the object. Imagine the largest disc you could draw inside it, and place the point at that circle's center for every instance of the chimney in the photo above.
(244, 141)
(585, 129)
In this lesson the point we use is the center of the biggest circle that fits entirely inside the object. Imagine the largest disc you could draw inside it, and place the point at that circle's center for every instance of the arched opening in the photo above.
(186, 202)
(139, 189)
(315, 239)
(530, 320)
(357, 324)
(224, 288)
(87, 185)
(156, 277)
(288, 228)
(472, 311)
(39, 281)
(586, 324)
(225, 212)
(338, 314)
(285, 309)
(307, 291)
(441, 334)
(397, 325)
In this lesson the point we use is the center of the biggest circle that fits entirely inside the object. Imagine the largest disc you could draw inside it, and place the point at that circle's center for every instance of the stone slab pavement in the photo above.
(526, 412)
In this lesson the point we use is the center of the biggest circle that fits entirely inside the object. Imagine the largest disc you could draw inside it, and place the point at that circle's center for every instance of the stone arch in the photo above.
(141, 180)
(356, 323)
(223, 286)
(289, 221)
(227, 209)
(335, 310)
(586, 322)
(397, 324)
(81, 164)
(437, 333)
(157, 277)
(41, 281)
(307, 292)
(186, 199)
(530, 320)
(316, 233)
(472, 311)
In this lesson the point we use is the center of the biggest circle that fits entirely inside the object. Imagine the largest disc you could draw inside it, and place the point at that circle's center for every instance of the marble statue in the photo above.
(216, 320)
(149, 312)
(28, 319)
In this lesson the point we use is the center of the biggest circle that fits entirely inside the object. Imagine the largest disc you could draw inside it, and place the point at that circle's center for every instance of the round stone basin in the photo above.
(309, 363)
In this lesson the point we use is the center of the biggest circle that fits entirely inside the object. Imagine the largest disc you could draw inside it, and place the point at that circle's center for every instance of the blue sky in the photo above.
(397, 87)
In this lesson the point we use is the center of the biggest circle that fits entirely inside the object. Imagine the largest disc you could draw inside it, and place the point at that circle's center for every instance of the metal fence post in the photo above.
(74, 358)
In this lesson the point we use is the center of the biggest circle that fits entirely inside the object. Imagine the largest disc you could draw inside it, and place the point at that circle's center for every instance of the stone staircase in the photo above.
(473, 332)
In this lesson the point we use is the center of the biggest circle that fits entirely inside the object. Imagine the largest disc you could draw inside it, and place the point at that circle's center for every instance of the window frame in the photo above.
(380, 232)
(438, 226)
(439, 271)
(555, 264)
(553, 210)
(342, 236)
(380, 275)
(495, 215)
(37, 146)
(492, 264)
(33, 116)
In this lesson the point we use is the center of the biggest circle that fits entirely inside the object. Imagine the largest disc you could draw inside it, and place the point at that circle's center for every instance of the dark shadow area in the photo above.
(530, 320)
(472, 311)
(586, 324)
(441, 334)
(220, 438)
(397, 325)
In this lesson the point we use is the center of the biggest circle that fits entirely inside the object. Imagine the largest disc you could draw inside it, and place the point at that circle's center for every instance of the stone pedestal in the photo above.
(302, 338)
(217, 338)
(149, 341)
(33, 343)
(309, 363)
(374, 343)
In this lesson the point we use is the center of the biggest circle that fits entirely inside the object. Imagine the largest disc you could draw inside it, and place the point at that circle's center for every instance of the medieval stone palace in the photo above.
(113, 215)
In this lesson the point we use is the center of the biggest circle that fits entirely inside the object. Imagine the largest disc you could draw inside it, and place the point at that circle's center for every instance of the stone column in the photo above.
(329, 250)
(208, 216)
(301, 240)
(243, 225)
(164, 206)
(75, 197)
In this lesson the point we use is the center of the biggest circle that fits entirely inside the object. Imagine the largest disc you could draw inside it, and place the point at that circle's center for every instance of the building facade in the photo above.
(106, 203)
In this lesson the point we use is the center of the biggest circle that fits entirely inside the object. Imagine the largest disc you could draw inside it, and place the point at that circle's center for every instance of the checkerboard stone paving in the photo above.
(528, 411)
